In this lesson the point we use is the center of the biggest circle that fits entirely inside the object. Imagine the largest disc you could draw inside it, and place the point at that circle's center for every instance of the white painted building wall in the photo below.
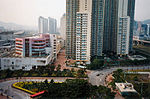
(123, 28)
(54, 44)
(23, 63)
(123, 36)
(83, 31)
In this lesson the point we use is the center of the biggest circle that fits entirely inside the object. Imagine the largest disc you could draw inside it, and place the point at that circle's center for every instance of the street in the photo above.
(97, 77)
(16, 94)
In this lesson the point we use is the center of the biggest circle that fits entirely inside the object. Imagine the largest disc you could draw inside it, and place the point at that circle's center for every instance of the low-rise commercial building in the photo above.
(126, 89)
(31, 52)
(24, 63)
(33, 46)
(137, 57)
(55, 43)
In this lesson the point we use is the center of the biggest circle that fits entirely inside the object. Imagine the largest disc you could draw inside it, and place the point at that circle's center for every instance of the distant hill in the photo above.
(14, 26)
(146, 21)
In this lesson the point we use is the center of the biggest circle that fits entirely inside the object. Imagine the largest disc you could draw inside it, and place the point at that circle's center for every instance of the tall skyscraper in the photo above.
(72, 7)
(110, 26)
(52, 25)
(114, 10)
(123, 28)
(131, 9)
(98, 26)
(63, 26)
(145, 29)
(43, 25)
(83, 31)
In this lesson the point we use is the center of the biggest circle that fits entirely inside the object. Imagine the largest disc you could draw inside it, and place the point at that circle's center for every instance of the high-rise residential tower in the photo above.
(131, 9)
(123, 28)
(83, 31)
(63, 26)
(113, 11)
(98, 26)
(72, 7)
(43, 25)
(110, 26)
(52, 25)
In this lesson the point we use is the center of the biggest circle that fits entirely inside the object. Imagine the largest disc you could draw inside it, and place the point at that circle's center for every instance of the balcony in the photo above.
(38, 49)
(38, 43)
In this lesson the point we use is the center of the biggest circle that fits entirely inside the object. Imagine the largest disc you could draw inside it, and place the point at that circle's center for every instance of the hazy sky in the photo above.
(26, 12)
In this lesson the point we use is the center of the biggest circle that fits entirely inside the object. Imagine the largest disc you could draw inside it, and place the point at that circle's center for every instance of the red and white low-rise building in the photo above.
(31, 52)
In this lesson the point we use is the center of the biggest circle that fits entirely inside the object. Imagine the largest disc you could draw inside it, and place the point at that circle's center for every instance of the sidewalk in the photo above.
(61, 59)
(3, 97)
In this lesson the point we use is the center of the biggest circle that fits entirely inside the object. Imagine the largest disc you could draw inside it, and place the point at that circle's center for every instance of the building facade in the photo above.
(97, 27)
(83, 31)
(110, 23)
(52, 25)
(42, 25)
(130, 13)
(33, 46)
(145, 29)
(24, 63)
(31, 52)
(72, 7)
(116, 12)
(63, 27)
(82, 34)
(123, 36)
(110, 26)
(123, 28)
(55, 44)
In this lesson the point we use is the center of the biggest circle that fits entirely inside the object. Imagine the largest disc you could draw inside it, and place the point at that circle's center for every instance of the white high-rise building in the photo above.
(83, 31)
(63, 26)
(123, 28)
(52, 25)
(43, 25)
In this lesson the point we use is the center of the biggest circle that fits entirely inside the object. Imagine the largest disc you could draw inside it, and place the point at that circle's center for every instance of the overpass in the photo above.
(140, 42)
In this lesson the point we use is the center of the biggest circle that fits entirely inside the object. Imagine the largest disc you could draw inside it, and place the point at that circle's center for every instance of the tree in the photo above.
(80, 73)
(77, 88)
(52, 81)
(58, 67)
(135, 78)
(52, 68)
(72, 70)
(96, 64)
(46, 81)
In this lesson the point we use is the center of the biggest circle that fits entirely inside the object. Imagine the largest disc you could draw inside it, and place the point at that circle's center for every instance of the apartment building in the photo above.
(110, 24)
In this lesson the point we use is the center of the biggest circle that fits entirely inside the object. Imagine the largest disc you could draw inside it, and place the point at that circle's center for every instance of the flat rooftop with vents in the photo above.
(126, 89)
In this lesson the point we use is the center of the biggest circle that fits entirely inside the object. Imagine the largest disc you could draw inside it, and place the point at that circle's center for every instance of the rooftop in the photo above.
(6, 32)
(125, 87)
(12, 54)
(137, 57)
(40, 36)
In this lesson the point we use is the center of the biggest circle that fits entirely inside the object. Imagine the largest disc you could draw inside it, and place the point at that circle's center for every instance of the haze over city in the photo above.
(80, 49)
(26, 12)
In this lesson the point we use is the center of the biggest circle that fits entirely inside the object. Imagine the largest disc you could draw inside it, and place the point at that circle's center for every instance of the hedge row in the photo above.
(20, 88)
